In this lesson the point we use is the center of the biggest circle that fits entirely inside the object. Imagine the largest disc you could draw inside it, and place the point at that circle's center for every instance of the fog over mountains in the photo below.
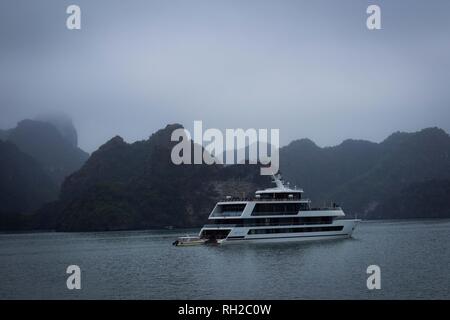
(51, 142)
(135, 185)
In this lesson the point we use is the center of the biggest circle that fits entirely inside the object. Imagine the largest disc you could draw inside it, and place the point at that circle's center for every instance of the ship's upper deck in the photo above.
(281, 201)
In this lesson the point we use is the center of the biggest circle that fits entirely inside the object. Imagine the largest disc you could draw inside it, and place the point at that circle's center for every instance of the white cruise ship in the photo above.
(275, 214)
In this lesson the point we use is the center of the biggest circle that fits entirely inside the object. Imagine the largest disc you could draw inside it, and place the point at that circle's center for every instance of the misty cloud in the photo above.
(309, 68)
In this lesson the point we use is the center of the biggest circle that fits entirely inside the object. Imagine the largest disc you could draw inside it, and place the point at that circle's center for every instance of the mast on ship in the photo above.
(278, 180)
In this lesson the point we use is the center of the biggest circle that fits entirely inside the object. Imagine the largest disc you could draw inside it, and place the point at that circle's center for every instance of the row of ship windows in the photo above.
(267, 208)
(295, 230)
(278, 208)
(248, 222)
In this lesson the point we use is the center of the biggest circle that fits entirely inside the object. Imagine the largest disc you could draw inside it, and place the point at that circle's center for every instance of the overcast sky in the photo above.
(310, 68)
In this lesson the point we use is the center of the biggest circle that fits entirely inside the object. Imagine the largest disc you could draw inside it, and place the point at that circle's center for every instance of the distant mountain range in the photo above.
(24, 186)
(136, 186)
(362, 176)
(426, 199)
(35, 158)
(50, 145)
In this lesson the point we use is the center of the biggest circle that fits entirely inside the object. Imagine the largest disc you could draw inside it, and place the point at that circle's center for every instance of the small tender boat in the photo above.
(189, 241)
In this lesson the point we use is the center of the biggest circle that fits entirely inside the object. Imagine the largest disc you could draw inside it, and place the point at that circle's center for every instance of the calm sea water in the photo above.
(414, 258)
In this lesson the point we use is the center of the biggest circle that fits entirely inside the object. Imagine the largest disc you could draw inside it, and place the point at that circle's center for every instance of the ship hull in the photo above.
(341, 229)
(300, 238)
